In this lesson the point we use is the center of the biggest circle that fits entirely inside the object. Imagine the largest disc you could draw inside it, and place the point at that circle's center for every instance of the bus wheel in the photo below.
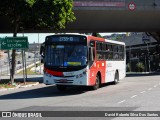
(61, 87)
(97, 83)
(116, 78)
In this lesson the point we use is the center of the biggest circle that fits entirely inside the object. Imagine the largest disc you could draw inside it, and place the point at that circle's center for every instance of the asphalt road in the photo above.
(131, 94)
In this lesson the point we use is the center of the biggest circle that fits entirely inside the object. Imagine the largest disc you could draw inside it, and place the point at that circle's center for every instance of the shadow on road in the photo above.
(48, 91)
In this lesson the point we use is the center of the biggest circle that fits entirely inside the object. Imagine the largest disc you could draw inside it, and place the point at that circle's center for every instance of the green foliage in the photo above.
(30, 72)
(128, 67)
(58, 14)
(98, 35)
(140, 67)
(36, 14)
(53, 14)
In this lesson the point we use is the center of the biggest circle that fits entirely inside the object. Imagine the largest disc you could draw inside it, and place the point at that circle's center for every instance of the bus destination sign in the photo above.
(65, 39)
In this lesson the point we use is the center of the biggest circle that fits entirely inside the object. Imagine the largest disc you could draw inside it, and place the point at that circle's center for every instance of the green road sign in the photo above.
(9, 43)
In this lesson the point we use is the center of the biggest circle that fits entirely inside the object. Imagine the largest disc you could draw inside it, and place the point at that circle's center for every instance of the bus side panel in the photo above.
(92, 75)
(112, 66)
(98, 66)
(110, 71)
(101, 67)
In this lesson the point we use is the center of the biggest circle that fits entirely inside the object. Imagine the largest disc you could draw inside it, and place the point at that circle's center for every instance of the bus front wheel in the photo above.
(97, 83)
(61, 87)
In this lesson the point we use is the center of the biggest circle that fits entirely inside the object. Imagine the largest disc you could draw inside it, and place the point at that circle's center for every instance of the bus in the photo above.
(82, 60)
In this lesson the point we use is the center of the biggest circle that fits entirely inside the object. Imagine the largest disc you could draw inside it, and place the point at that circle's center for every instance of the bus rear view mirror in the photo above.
(42, 50)
(91, 54)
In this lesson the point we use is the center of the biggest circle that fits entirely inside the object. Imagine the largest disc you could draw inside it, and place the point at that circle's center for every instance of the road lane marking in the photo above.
(149, 88)
(155, 86)
(134, 96)
(121, 101)
(143, 92)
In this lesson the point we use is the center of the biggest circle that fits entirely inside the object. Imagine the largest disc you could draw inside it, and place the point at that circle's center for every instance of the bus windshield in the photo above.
(65, 55)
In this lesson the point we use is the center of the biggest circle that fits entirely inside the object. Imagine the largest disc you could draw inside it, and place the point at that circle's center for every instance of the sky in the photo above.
(33, 37)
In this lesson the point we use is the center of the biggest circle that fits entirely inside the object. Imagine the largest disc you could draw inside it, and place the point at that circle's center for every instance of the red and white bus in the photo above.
(82, 60)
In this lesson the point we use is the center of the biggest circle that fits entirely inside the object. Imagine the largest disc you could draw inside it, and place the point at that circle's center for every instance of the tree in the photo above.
(36, 14)
(97, 35)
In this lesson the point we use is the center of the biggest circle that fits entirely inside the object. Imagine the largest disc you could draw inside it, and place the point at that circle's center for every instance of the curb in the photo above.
(24, 86)
(3, 89)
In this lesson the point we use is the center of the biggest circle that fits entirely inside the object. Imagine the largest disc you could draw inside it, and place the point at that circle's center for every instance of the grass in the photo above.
(29, 72)
(6, 86)
(7, 83)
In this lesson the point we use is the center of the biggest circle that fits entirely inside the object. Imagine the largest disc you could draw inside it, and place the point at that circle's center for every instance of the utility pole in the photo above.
(9, 63)
(25, 64)
(35, 60)
(146, 40)
(148, 56)
(130, 58)
(39, 54)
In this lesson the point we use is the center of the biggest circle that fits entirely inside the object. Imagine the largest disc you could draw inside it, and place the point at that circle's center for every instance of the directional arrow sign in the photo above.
(3, 43)
(9, 43)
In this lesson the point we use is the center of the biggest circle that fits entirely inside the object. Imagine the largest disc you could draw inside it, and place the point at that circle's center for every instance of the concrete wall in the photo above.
(140, 4)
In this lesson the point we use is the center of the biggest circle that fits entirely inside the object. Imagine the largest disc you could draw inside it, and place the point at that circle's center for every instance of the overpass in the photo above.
(108, 16)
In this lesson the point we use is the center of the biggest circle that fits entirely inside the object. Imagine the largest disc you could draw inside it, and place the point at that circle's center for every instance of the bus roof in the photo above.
(106, 40)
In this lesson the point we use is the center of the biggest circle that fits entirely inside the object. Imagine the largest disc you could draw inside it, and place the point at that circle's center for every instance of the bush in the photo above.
(128, 67)
(140, 67)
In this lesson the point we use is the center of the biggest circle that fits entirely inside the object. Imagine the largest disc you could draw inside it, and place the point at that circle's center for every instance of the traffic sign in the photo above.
(9, 43)
(131, 6)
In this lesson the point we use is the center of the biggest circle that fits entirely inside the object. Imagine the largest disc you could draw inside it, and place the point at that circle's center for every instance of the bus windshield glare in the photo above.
(66, 55)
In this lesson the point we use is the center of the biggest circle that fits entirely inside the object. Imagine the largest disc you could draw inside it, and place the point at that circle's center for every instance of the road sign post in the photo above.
(13, 43)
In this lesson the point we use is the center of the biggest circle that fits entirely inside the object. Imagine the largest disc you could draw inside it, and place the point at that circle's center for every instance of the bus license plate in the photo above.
(63, 80)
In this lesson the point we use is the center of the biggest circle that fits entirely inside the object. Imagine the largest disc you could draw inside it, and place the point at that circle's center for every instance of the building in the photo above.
(142, 52)
(34, 47)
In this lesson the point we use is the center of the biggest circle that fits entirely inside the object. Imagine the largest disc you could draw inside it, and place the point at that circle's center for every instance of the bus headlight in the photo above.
(84, 72)
(48, 75)
(79, 76)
